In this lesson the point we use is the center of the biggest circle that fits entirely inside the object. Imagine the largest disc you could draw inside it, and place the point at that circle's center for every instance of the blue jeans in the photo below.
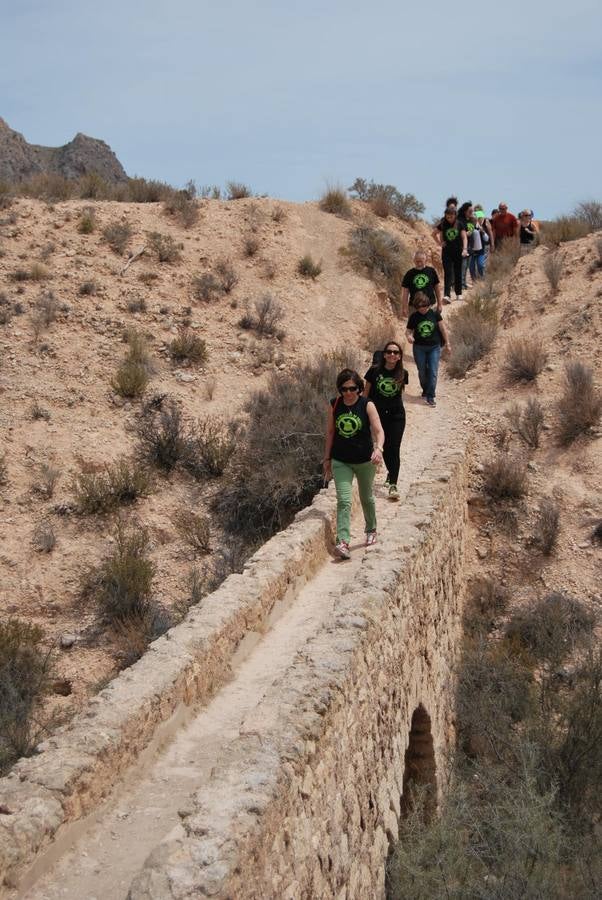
(427, 363)
(477, 264)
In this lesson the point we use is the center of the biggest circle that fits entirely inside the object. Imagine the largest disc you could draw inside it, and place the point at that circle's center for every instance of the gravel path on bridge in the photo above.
(113, 845)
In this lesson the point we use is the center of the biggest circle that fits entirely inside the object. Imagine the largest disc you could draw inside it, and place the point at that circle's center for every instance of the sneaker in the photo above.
(460, 297)
(342, 550)
(393, 492)
(387, 483)
(431, 401)
(370, 538)
(446, 300)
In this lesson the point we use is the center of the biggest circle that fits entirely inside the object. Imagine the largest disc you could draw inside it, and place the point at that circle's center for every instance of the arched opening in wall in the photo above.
(419, 769)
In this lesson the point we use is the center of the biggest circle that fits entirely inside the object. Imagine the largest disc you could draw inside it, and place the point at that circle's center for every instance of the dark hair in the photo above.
(464, 209)
(397, 372)
(451, 201)
(350, 375)
(494, 212)
(450, 209)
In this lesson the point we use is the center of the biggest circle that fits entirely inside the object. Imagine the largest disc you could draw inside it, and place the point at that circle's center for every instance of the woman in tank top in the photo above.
(353, 446)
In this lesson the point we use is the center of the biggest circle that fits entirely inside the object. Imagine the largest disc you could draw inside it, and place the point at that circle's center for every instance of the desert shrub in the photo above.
(564, 228)
(547, 524)
(164, 246)
(88, 289)
(553, 264)
(115, 485)
(148, 278)
(26, 669)
(131, 379)
(87, 220)
(236, 190)
(135, 632)
(194, 529)
(590, 212)
(136, 305)
(38, 272)
(278, 214)
(596, 533)
(6, 310)
(46, 480)
(47, 308)
(142, 190)
(210, 444)
(308, 268)
(381, 255)
(501, 263)
(209, 386)
(188, 346)
(163, 434)
(472, 330)
(527, 421)
(334, 200)
(47, 186)
(3, 468)
(117, 235)
(226, 275)
(266, 318)
(122, 584)
(39, 412)
(376, 334)
(505, 477)
(550, 628)
(277, 466)
(487, 600)
(183, 206)
(205, 287)
(385, 200)
(44, 537)
(250, 245)
(525, 359)
(580, 403)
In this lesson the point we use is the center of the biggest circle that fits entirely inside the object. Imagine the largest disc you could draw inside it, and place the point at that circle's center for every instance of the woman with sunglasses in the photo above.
(354, 445)
(384, 386)
(427, 334)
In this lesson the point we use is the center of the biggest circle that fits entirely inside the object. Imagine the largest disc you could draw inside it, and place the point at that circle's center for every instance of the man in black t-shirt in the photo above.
(421, 278)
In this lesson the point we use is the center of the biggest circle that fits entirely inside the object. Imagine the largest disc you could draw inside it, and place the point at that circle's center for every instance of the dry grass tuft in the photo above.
(505, 477)
(334, 200)
(188, 346)
(580, 405)
(117, 234)
(308, 268)
(525, 359)
(547, 525)
(553, 265)
(473, 330)
(527, 421)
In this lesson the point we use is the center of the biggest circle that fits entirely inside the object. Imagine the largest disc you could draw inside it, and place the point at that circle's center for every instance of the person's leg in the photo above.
(465, 261)
(448, 270)
(457, 264)
(434, 354)
(420, 360)
(480, 263)
(365, 473)
(393, 435)
(343, 480)
(472, 265)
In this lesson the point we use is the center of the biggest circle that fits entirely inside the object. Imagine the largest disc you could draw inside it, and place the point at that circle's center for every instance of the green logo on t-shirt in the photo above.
(451, 234)
(348, 424)
(387, 386)
(421, 280)
(425, 328)
(469, 228)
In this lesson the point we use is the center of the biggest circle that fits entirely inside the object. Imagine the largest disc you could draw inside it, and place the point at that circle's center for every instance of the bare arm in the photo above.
(326, 462)
(439, 296)
(378, 435)
(489, 231)
(410, 335)
(445, 335)
(438, 236)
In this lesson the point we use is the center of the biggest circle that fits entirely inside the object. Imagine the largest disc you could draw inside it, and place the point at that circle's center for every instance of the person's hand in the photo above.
(464, 253)
(377, 456)
(327, 469)
(410, 338)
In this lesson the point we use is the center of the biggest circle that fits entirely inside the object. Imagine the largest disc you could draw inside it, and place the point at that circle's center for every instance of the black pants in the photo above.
(394, 428)
(452, 272)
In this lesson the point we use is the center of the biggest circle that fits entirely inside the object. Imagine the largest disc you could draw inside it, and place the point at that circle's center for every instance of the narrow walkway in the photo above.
(115, 844)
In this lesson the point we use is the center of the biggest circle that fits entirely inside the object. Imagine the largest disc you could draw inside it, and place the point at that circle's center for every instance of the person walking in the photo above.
(420, 278)
(384, 386)
(447, 235)
(428, 335)
(353, 446)
(465, 225)
(527, 234)
(505, 225)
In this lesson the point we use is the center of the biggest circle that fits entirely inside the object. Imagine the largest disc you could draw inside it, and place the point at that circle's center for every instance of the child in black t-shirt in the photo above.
(427, 334)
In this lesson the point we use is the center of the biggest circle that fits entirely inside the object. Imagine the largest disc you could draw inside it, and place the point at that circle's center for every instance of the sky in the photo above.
(490, 101)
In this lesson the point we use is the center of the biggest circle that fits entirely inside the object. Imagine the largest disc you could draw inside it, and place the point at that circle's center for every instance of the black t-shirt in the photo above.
(352, 437)
(386, 392)
(421, 280)
(426, 328)
(451, 237)
(527, 234)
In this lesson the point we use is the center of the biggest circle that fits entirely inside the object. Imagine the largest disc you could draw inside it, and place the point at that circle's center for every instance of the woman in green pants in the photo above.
(354, 445)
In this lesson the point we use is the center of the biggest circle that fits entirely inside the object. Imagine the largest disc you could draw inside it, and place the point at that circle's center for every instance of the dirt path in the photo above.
(116, 842)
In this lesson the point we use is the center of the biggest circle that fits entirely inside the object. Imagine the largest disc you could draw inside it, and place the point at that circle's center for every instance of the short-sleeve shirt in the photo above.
(425, 327)
(504, 225)
(423, 280)
(385, 391)
(451, 236)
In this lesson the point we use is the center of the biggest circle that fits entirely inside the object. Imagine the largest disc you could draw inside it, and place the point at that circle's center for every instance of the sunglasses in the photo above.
(422, 306)
(349, 390)
(393, 352)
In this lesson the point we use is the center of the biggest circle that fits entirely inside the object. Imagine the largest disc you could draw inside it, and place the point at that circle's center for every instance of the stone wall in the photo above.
(304, 805)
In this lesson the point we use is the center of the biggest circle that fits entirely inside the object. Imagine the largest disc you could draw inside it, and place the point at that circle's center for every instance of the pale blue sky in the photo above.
(489, 100)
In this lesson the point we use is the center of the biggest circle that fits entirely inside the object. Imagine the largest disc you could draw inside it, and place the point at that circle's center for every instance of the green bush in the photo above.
(122, 583)
(26, 669)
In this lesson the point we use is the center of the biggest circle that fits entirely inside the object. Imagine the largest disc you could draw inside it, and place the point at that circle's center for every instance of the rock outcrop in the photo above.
(20, 160)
